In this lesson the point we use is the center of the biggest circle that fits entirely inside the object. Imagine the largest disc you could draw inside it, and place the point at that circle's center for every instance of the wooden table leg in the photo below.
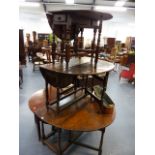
(69, 136)
(86, 83)
(101, 141)
(59, 143)
(37, 121)
(43, 132)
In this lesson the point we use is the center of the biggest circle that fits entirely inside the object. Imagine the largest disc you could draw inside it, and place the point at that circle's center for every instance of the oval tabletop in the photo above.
(80, 66)
(77, 18)
(84, 115)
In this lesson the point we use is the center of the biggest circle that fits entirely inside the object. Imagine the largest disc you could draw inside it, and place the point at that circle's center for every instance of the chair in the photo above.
(35, 59)
(128, 74)
(114, 58)
(123, 61)
(47, 51)
(37, 62)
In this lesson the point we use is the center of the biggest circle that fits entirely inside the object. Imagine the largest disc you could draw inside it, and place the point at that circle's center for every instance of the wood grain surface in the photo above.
(82, 116)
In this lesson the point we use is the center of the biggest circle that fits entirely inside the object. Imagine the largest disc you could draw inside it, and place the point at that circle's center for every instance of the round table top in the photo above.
(80, 66)
(83, 14)
(77, 19)
(84, 115)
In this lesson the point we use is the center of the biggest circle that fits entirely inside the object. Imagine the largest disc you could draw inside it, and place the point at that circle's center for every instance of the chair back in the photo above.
(124, 60)
(132, 69)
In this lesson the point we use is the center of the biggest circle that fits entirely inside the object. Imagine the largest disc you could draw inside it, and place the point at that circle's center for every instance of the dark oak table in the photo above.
(80, 66)
(84, 114)
(62, 74)
(72, 117)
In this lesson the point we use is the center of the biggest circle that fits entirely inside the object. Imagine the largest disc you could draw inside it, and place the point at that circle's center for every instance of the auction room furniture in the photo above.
(130, 43)
(42, 37)
(128, 74)
(82, 116)
(67, 25)
(64, 110)
(22, 54)
(36, 60)
(65, 104)
(28, 46)
(110, 44)
(46, 50)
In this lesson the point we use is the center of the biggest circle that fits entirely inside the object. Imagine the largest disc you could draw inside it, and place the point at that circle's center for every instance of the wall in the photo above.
(115, 30)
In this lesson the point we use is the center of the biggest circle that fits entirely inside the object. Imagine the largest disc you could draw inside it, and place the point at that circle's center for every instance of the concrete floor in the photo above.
(119, 138)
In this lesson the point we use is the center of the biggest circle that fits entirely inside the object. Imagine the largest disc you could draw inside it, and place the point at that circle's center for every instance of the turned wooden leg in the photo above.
(37, 121)
(42, 132)
(59, 143)
(53, 129)
(101, 142)
(69, 136)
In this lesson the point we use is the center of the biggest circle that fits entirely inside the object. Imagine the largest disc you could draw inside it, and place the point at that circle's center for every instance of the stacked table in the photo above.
(76, 109)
